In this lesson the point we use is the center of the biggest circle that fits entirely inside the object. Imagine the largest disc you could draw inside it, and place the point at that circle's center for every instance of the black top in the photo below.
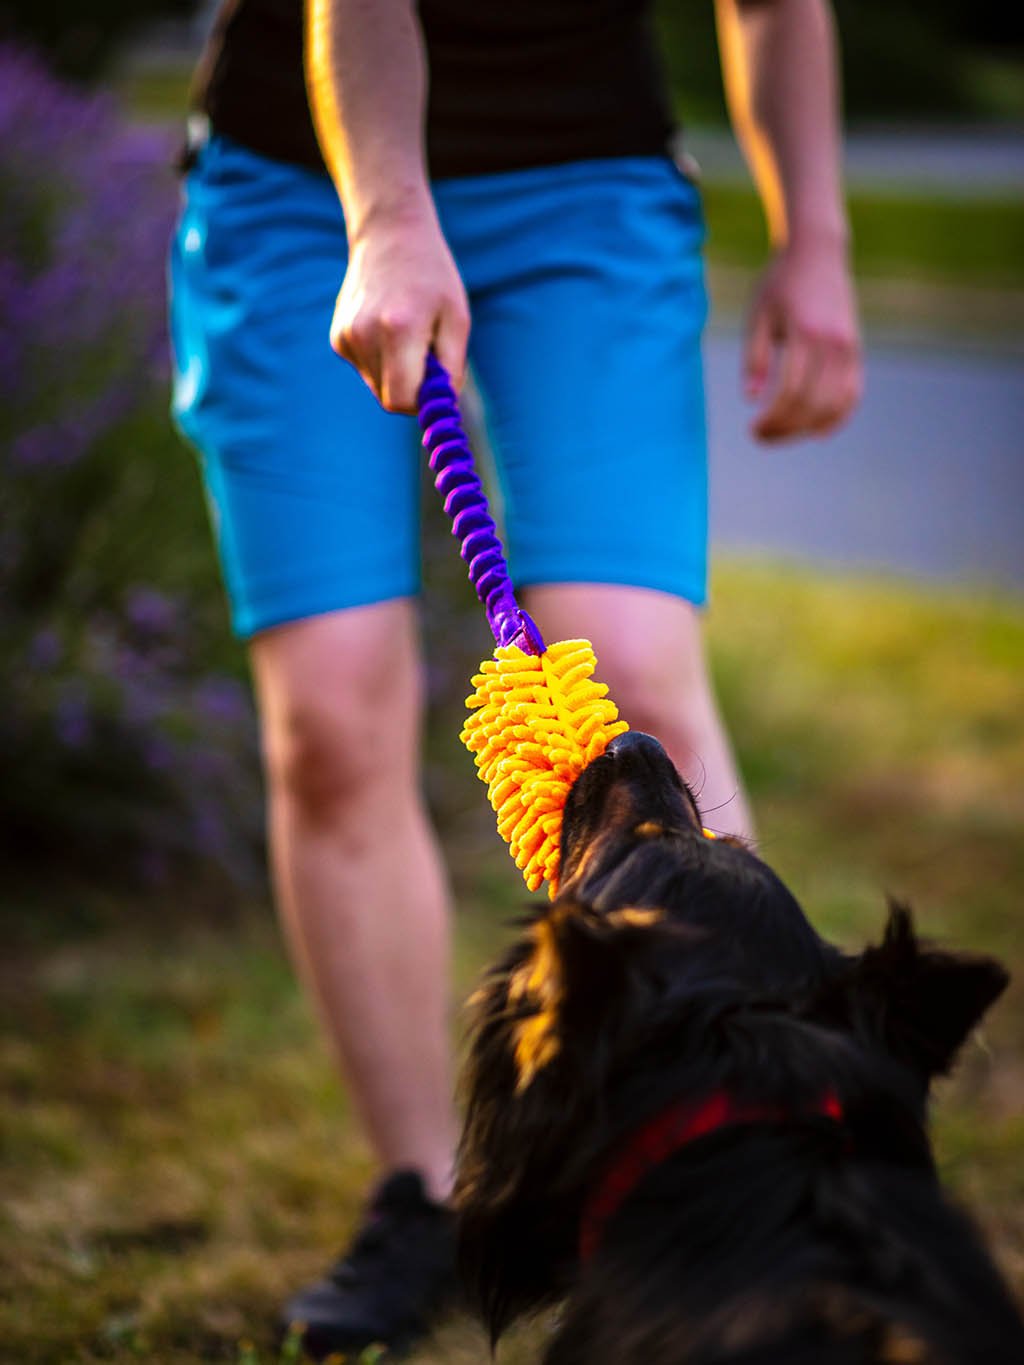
(513, 83)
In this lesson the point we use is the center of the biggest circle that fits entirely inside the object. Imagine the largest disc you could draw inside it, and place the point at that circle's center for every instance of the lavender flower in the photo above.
(151, 614)
(44, 650)
(117, 737)
(222, 701)
(86, 210)
(72, 717)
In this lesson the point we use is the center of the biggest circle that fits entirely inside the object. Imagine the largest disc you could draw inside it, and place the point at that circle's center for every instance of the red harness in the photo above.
(664, 1134)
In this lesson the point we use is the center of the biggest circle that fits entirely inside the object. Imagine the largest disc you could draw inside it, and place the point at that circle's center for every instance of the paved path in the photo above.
(927, 479)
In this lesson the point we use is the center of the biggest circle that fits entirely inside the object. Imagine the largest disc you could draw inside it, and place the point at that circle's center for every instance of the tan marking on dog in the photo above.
(750, 1321)
(586, 858)
(538, 981)
(747, 1321)
(902, 1347)
(635, 918)
(649, 829)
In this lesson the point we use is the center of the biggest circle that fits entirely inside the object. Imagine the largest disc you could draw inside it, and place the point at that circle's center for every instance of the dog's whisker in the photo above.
(710, 810)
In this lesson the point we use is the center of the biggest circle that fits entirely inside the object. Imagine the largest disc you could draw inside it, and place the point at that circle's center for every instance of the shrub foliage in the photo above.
(118, 741)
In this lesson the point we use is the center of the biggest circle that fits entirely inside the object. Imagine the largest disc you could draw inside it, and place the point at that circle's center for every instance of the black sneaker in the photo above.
(398, 1275)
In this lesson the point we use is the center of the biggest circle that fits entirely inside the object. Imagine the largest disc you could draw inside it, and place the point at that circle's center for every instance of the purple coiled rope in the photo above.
(456, 479)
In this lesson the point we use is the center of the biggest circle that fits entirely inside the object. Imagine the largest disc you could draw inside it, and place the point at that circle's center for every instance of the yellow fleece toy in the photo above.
(536, 721)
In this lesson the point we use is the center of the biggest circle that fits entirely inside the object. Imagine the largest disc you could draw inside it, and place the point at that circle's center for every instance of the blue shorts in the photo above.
(587, 300)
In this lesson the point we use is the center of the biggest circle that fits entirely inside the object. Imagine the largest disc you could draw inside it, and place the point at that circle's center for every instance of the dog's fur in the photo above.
(675, 966)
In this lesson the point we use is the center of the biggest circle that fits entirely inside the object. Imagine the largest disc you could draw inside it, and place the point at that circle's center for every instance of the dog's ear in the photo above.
(923, 1001)
(594, 956)
(529, 1084)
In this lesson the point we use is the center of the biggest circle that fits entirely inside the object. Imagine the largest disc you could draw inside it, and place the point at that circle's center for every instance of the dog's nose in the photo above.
(635, 742)
(636, 756)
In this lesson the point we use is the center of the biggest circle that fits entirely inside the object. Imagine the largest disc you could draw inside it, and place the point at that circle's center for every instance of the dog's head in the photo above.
(672, 961)
(633, 838)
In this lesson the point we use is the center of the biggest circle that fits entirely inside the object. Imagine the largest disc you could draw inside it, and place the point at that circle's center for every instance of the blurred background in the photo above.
(175, 1151)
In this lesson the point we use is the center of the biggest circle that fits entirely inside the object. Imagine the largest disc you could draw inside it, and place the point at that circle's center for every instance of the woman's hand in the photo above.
(401, 296)
(802, 359)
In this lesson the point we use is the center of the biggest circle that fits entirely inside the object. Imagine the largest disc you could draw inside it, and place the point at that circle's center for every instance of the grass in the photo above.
(157, 91)
(976, 242)
(995, 83)
(174, 1152)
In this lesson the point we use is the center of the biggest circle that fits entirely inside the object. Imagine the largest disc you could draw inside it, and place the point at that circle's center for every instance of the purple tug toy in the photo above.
(457, 480)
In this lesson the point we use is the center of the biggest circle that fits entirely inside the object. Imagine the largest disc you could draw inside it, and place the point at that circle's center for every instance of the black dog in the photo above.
(702, 1126)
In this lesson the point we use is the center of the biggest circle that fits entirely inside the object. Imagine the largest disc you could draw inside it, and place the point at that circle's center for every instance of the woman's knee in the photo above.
(339, 715)
(678, 711)
(650, 653)
(668, 695)
(321, 758)
(658, 683)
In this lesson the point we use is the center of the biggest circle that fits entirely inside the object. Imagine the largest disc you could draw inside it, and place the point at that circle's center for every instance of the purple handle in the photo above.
(465, 501)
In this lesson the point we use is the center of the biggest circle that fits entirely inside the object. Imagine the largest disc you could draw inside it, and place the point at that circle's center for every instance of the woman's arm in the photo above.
(366, 76)
(780, 69)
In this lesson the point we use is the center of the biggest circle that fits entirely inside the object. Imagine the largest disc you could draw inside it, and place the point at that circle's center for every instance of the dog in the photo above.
(700, 1128)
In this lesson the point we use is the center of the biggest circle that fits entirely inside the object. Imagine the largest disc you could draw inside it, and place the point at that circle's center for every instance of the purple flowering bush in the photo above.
(117, 740)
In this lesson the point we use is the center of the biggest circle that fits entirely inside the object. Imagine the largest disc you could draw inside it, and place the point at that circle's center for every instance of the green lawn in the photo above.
(154, 91)
(175, 1152)
(938, 240)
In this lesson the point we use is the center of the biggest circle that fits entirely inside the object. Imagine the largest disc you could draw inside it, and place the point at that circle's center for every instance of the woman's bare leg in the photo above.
(358, 880)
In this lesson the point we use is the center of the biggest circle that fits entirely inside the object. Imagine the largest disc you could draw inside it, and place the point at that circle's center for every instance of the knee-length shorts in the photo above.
(587, 304)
